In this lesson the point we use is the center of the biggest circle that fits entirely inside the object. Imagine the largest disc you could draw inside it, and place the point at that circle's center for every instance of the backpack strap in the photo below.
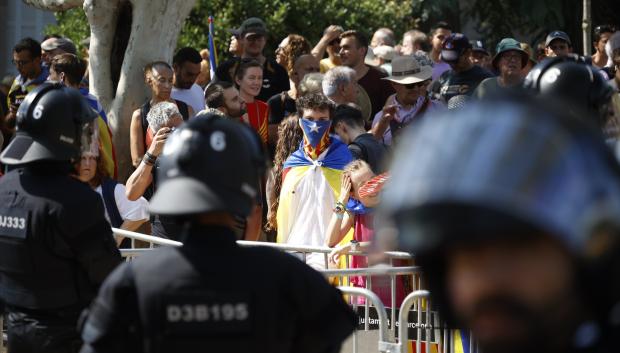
(183, 109)
(144, 110)
(395, 126)
(109, 201)
(425, 105)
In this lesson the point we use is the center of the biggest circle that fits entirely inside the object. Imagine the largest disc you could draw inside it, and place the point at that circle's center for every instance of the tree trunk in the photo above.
(154, 31)
(155, 28)
(54, 5)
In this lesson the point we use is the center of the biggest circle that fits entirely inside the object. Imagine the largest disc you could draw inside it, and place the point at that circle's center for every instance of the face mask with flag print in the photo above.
(316, 136)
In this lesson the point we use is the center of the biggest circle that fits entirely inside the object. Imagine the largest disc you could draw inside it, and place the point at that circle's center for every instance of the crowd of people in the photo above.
(330, 117)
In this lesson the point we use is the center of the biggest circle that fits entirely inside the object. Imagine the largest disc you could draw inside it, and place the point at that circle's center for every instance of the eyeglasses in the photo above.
(20, 63)
(417, 84)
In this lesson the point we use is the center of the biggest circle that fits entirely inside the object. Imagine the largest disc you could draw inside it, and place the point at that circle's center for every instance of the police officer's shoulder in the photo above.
(286, 266)
(116, 302)
(73, 193)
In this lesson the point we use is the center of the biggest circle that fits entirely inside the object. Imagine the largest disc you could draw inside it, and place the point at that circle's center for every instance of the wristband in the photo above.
(339, 208)
(149, 159)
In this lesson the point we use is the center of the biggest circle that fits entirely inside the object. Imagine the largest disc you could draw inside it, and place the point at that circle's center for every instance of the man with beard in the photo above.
(27, 61)
(509, 61)
(353, 49)
(223, 98)
(186, 65)
(519, 241)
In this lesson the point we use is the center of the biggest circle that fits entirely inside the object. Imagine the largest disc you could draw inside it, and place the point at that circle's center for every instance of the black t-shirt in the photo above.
(451, 83)
(275, 78)
(378, 90)
(368, 149)
(281, 105)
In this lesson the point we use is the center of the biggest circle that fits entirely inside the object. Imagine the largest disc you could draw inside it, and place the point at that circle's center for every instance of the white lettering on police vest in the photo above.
(207, 313)
(12, 222)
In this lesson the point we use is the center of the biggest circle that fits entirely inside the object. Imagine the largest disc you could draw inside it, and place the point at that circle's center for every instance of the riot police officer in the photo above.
(579, 86)
(211, 294)
(56, 247)
(512, 209)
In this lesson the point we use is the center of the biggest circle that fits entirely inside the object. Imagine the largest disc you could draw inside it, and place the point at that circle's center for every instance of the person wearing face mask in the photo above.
(311, 179)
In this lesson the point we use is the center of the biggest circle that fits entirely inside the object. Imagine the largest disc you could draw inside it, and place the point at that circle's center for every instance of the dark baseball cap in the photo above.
(252, 25)
(557, 35)
(64, 44)
(454, 46)
(478, 45)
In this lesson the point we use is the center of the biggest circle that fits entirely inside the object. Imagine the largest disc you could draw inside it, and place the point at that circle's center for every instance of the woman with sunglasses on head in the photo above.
(600, 38)
(330, 43)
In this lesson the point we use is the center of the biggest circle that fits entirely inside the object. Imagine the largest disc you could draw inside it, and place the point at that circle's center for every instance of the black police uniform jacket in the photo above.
(56, 247)
(213, 295)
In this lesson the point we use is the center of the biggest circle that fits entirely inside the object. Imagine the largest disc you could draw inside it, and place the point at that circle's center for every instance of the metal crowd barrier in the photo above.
(426, 325)
(393, 333)
(303, 250)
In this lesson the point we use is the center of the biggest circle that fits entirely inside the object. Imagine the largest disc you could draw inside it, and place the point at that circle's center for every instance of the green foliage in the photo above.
(493, 19)
(71, 24)
(306, 17)
(523, 19)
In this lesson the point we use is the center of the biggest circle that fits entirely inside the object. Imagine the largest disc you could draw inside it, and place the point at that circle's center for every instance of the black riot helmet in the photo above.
(210, 164)
(54, 123)
(506, 168)
(572, 80)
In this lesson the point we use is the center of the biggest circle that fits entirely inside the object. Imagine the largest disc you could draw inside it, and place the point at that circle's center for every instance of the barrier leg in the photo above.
(384, 346)
(408, 303)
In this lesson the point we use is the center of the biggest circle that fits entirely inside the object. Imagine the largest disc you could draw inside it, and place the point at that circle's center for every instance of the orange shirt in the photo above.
(258, 114)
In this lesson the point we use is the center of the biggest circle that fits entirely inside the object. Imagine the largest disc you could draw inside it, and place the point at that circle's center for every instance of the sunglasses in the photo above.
(417, 84)
(334, 42)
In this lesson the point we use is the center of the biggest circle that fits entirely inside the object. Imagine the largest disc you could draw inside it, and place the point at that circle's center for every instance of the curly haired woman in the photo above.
(289, 138)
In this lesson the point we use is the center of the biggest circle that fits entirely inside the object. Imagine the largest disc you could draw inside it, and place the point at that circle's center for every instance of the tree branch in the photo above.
(54, 5)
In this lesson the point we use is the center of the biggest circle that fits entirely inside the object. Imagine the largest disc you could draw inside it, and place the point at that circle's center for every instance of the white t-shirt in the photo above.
(129, 210)
(194, 97)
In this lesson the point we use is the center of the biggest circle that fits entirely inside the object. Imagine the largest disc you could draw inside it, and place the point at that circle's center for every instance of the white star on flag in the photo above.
(314, 128)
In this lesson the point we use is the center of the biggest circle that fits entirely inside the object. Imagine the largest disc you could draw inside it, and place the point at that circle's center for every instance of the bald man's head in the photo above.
(304, 64)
